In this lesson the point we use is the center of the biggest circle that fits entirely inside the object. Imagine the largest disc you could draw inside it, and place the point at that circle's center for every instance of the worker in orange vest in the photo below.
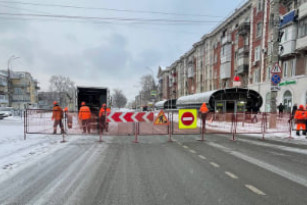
(85, 117)
(68, 118)
(203, 111)
(103, 112)
(57, 116)
(300, 118)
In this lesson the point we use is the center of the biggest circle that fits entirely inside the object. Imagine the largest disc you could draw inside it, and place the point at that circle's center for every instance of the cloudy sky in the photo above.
(128, 39)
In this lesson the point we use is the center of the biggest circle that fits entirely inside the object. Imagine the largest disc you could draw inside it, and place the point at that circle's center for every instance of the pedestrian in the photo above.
(85, 117)
(203, 111)
(294, 108)
(57, 116)
(280, 109)
(300, 118)
(68, 118)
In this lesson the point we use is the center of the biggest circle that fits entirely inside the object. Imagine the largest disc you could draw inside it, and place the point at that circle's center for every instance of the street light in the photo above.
(13, 57)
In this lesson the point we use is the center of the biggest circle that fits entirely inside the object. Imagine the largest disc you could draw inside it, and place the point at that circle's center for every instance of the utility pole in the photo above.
(274, 57)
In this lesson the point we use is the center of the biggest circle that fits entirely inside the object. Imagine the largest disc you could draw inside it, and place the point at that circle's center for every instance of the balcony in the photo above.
(225, 70)
(226, 39)
(288, 18)
(242, 65)
(243, 50)
(288, 48)
(244, 28)
(190, 72)
(302, 11)
(301, 43)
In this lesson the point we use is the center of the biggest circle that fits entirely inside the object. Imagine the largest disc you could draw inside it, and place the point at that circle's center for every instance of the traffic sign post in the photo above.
(187, 119)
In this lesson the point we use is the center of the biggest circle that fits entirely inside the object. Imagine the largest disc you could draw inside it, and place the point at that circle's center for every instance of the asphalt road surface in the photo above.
(154, 171)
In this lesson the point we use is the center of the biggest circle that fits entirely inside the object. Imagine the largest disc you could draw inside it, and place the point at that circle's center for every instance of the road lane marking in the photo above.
(299, 179)
(192, 151)
(231, 175)
(185, 147)
(254, 189)
(202, 157)
(214, 164)
(179, 143)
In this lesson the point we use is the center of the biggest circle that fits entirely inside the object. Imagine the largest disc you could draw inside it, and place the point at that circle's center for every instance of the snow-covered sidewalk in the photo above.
(15, 152)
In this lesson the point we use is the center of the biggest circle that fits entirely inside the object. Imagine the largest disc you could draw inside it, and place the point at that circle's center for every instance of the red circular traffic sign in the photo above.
(187, 118)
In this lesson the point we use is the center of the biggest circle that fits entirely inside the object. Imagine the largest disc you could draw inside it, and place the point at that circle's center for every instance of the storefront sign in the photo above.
(287, 83)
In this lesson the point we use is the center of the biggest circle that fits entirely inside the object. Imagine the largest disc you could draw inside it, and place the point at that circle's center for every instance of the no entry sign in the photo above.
(187, 119)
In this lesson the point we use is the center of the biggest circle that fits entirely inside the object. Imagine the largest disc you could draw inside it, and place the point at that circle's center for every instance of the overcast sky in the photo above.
(105, 53)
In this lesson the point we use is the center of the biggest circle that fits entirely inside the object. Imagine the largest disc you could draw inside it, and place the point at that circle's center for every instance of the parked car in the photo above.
(1, 116)
(6, 111)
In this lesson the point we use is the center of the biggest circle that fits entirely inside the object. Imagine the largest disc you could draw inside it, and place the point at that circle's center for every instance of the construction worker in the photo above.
(68, 118)
(57, 116)
(203, 111)
(85, 117)
(300, 118)
(103, 112)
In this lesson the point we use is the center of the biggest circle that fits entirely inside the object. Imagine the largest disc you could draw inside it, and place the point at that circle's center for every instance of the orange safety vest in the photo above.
(102, 111)
(300, 116)
(203, 109)
(84, 113)
(57, 113)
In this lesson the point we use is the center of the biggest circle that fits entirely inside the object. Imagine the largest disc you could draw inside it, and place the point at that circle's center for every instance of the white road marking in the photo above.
(214, 164)
(274, 169)
(192, 151)
(179, 143)
(185, 147)
(231, 175)
(254, 189)
(202, 157)
(281, 147)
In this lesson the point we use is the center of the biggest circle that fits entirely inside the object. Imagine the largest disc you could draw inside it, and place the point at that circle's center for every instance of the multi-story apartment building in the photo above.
(21, 92)
(3, 89)
(242, 46)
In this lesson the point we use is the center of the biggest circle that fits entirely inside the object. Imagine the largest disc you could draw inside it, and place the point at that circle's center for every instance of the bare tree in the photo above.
(60, 83)
(64, 85)
(119, 100)
(148, 84)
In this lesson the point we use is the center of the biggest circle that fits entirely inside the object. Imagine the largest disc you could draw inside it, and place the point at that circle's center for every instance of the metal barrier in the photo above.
(40, 122)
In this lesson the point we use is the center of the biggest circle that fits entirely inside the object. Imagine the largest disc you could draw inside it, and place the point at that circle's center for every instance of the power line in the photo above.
(110, 9)
(119, 19)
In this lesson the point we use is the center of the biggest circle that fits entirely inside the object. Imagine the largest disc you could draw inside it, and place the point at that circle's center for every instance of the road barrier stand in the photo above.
(203, 127)
(290, 128)
(233, 126)
(264, 124)
(25, 125)
(136, 128)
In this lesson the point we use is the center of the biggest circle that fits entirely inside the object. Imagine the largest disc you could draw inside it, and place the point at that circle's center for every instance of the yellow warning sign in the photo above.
(161, 119)
(187, 119)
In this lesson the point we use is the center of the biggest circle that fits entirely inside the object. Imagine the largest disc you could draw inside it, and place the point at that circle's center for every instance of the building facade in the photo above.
(242, 46)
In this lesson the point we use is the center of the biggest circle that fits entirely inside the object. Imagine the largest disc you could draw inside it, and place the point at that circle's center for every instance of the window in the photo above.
(268, 74)
(285, 68)
(246, 41)
(292, 68)
(302, 31)
(237, 38)
(257, 53)
(287, 101)
(259, 5)
(259, 30)
(256, 75)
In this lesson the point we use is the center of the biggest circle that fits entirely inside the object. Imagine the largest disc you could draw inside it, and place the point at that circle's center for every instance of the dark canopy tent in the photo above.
(252, 99)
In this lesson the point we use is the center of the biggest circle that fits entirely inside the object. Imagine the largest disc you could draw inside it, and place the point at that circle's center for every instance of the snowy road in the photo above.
(156, 172)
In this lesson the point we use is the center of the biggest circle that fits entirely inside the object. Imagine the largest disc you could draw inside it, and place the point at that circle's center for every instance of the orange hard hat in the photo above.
(55, 102)
(65, 109)
(301, 107)
(83, 103)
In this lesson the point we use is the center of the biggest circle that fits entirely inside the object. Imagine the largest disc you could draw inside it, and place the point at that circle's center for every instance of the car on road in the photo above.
(6, 111)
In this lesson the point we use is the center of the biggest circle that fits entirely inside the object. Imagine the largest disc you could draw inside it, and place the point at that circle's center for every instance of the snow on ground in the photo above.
(15, 152)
